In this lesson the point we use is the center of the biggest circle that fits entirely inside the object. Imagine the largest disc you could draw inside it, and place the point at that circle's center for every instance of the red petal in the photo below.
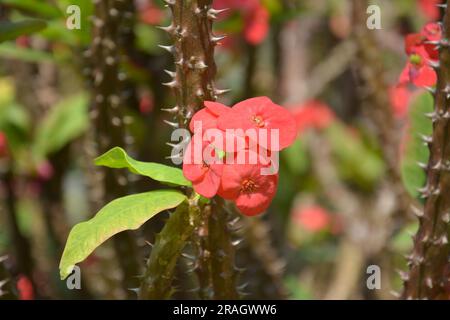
(209, 185)
(216, 108)
(206, 118)
(424, 76)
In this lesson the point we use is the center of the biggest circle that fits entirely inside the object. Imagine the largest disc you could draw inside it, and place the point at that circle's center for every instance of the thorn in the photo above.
(217, 39)
(431, 90)
(188, 256)
(172, 84)
(173, 110)
(434, 64)
(170, 49)
(446, 217)
(418, 212)
(403, 275)
(172, 124)
(429, 282)
(169, 29)
(149, 243)
(170, 2)
(171, 73)
(422, 165)
(395, 294)
(200, 65)
(426, 139)
(220, 92)
(441, 5)
(236, 242)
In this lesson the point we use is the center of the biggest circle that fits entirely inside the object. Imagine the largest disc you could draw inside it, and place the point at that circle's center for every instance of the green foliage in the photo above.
(11, 51)
(414, 149)
(12, 30)
(355, 160)
(127, 213)
(36, 7)
(118, 158)
(65, 121)
(296, 157)
(14, 120)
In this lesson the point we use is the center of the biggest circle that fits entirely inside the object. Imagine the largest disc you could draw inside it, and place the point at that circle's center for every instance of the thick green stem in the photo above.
(224, 275)
(158, 278)
(428, 275)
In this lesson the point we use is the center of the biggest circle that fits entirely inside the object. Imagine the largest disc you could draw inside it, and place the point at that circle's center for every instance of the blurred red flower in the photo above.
(25, 288)
(313, 114)
(430, 9)
(418, 71)
(256, 17)
(422, 51)
(399, 96)
(151, 14)
(312, 218)
(3, 145)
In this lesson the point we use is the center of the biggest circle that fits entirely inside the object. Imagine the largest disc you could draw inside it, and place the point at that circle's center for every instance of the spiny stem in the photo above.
(7, 290)
(107, 118)
(159, 275)
(224, 275)
(429, 262)
(203, 265)
(192, 83)
(193, 50)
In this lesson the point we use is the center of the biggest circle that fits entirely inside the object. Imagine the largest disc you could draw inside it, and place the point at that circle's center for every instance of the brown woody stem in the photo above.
(428, 276)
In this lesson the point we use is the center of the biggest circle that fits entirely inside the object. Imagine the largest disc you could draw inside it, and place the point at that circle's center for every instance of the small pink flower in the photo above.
(244, 184)
(202, 167)
(262, 114)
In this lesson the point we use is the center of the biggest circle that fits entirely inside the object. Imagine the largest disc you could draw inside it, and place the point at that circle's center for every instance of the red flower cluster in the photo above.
(422, 53)
(256, 17)
(225, 158)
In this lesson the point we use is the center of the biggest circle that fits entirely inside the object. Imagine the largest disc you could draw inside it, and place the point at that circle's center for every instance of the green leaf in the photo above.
(40, 8)
(117, 158)
(12, 30)
(10, 50)
(66, 121)
(414, 150)
(127, 213)
(355, 160)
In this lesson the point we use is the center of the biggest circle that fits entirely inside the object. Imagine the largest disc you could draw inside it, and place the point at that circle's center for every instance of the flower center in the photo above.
(205, 166)
(258, 121)
(248, 186)
(415, 59)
